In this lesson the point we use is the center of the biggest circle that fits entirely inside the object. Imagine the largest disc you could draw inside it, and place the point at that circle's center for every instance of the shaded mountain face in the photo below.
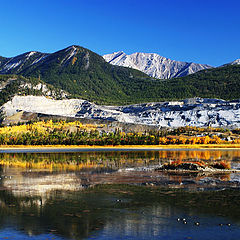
(154, 65)
(17, 64)
(76, 70)
(31, 62)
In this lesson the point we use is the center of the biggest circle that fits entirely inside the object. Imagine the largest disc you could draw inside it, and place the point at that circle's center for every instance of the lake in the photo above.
(117, 195)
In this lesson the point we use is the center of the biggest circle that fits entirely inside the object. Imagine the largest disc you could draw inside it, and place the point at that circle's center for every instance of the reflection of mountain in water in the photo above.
(76, 171)
(152, 221)
(66, 215)
(42, 182)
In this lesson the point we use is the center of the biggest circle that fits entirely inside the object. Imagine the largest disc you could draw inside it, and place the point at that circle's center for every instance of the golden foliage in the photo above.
(74, 60)
(45, 126)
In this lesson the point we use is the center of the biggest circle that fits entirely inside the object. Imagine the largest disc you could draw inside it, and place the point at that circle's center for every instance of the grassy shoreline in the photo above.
(119, 147)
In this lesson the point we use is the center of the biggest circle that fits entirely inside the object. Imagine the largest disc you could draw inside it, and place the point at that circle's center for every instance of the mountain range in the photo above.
(76, 72)
(154, 65)
(76, 82)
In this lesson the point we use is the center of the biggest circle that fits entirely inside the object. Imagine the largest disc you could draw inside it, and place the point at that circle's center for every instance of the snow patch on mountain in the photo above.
(30, 54)
(236, 62)
(71, 52)
(37, 60)
(190, 112)
(154, 65)
(19, 62)
(10, 65)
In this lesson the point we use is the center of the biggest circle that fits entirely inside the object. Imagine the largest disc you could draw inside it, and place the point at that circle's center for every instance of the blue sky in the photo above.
(186, 30)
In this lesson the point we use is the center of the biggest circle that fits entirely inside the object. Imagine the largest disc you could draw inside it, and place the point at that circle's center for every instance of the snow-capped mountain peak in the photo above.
(154, 65)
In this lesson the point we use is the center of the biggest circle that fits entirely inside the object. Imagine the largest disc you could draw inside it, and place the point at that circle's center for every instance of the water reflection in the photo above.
(115, 159)
(116, 212)
(116, 195)
(39, 173)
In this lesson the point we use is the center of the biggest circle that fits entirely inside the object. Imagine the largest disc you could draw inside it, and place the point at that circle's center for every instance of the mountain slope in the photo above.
(236, 62)
(86, 75)
(190, 112)
(17, 64)
(154, 65)
(12, 85)
(79, 71)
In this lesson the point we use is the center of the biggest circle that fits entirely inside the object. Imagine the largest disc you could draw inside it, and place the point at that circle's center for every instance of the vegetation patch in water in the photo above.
(195, 166)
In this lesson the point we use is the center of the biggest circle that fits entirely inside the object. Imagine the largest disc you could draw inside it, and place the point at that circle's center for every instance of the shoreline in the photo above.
(120, 147)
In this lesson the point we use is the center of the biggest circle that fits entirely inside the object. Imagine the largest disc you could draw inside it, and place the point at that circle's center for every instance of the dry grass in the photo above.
(183, 146)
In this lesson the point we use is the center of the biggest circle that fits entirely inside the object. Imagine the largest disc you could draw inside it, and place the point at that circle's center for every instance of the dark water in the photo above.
(117, 195)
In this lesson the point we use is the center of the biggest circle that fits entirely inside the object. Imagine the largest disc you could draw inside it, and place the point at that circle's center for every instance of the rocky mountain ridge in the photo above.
(22, 62)
(154, 65)
(19, 63)
(83, 74)
(236, 62)
(76, 70)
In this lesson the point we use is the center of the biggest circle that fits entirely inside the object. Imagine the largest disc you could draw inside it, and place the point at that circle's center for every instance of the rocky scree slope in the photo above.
(154, 65)
(12, 85)
(190, 112)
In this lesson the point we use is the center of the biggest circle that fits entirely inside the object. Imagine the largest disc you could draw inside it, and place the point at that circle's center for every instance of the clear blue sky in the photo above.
(187, 30)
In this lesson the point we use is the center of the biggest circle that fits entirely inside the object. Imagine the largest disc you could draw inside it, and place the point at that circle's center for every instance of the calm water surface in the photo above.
(117, 195)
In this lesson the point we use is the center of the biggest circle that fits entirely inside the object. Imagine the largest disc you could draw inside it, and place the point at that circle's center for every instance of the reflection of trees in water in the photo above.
(163, 207)
(1, 175)
(76, 161)
(223, 202)
(78, 214)
(111, 159)
(18, 211)
(201, 154)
